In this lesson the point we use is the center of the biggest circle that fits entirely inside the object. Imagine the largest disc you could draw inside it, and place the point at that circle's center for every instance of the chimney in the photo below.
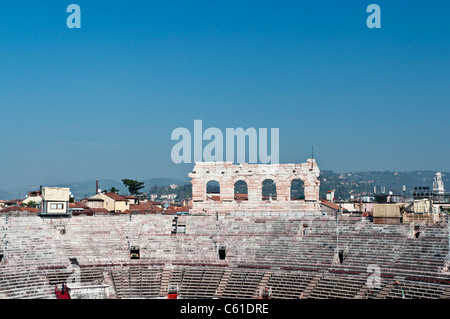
(96, 186)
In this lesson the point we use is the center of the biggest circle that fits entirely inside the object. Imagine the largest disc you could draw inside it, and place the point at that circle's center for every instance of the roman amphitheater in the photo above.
(226, 249)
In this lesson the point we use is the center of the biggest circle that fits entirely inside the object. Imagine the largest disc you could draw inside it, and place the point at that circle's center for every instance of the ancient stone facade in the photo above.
(227, 174)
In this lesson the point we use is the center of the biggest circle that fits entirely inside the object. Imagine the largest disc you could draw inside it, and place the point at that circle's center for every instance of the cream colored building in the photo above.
(113, 202)
(422, 206)
(32, 198)
(93, 202)
(388, 213)
(55, 201)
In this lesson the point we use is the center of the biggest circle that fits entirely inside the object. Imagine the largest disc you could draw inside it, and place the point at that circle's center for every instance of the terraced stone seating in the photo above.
(289, 285)
(24, 283)
(338, 286)
(137, 281)
(243, 284)
(417, 290)
(88, 276)
(200, 282)
(38, 253)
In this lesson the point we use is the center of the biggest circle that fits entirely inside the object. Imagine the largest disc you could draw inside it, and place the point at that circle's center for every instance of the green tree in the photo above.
(31, 204)
(114, 190)
(133, 186)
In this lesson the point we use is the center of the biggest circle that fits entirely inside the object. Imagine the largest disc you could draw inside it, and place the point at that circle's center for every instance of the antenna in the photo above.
(218, 232)
(448, 234)
(337, 230)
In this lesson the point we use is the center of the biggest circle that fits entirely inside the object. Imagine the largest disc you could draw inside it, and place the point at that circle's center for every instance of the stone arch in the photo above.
(241, 178)
(296, 176)
(272, 177)
(212, 189)
(240, 190)
(297, 189)
(269, 189)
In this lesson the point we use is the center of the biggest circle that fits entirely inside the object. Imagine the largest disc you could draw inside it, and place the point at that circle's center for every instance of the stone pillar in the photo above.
(227, 189)
(254, 189)
(198, 188)
(283, 189)
(312, 190)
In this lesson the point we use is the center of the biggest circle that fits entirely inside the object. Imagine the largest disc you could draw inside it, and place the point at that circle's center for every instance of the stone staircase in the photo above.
(313, 283)
(223, 283)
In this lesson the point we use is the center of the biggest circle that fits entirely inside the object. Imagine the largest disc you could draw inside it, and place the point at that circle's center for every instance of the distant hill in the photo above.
(345, 184)
(355, 183)
(87, 188)
(164, 182)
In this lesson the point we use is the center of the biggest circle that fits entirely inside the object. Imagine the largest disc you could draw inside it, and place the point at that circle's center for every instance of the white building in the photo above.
(438, 184)
(330, 196)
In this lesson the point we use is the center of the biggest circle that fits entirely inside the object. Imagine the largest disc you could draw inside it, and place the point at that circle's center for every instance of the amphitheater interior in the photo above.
(292, 256)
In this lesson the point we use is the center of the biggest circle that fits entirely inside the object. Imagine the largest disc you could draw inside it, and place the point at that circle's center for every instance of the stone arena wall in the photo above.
(227, 174)
(39, 249)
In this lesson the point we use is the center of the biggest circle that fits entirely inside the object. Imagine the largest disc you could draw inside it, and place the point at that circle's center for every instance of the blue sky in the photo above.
(102, 101)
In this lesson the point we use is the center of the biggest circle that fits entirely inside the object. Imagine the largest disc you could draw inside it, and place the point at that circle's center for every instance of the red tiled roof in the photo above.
(100, 211)
(19, 209)
(143, 208)
(15, 201)
(139, 206)
(330, 205)
(78, 205)
(154, 203)
(116, 197)
(241, 196)
(84, 212)
(214, 197)
(173, 210)
(85, 209)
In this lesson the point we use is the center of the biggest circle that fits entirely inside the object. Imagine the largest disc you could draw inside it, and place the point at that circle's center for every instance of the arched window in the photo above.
(269, 190)
(297, 189)
(240, 191)
(213, 190)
